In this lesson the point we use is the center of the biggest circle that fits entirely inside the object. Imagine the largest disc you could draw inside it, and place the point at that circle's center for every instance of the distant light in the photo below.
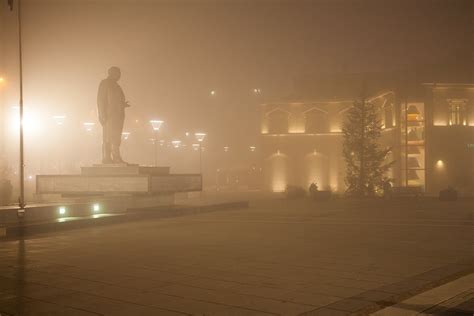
(195, 146)
(257, 91)
(30, 177)
(96, 208)
(125, 135)
(59, 119)
(226, 148)
(176, 143)
(213, 92)
(88, 126)
(62, 210)
(440, 164)
(156, 124)
(2, 80)
(252, 148)
(187, 133)
(200, 136)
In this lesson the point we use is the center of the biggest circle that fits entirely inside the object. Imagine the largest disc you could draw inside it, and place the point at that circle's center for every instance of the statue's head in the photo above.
(114, 73)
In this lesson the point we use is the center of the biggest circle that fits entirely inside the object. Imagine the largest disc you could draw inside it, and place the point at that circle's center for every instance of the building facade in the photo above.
(431, 136)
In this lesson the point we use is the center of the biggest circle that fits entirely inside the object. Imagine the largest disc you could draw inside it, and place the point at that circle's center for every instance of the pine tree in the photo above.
(365, 160)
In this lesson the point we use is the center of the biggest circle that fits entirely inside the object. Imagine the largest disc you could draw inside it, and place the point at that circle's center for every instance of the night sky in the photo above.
(173, 53)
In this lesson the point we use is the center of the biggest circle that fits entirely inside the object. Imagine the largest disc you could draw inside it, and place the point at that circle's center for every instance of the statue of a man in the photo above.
(111, 105)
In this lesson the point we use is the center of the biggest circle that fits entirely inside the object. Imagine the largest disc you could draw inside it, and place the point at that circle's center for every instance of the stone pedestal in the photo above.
(143, 184)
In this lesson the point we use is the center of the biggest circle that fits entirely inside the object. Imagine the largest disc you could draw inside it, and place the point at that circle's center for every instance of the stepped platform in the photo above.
(118, 179)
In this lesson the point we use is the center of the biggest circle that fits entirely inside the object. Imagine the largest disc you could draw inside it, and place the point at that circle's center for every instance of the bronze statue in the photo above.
(111, 106)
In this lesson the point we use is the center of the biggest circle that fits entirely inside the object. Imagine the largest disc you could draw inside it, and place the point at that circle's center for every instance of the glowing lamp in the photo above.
(96, 208)
(156, 124)
(195, 146)
(200, 136)
(176, 143)
(88, 126)
(440, 164)
(62, 210)
(59, 119)
(125, 135)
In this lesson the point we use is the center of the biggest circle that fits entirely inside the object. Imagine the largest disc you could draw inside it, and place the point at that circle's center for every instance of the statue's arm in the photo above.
(102, 101)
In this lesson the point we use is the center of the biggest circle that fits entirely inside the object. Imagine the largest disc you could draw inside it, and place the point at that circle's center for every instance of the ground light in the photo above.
(62, 210)
(96, 208)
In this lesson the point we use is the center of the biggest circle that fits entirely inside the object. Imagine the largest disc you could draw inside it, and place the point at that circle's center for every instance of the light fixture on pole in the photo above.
(156, 125)
(125, 135)
(59, 119)
(176, 143)
(88, 126)
(200, 138)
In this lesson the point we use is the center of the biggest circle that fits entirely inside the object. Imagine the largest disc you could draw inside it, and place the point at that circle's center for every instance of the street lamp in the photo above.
(125, 135)
(88, 126)
(176, 143)
(200, 138)
(59, 119)
(156, 125)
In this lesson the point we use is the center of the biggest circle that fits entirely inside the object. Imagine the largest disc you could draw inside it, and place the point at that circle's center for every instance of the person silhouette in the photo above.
(111, 109)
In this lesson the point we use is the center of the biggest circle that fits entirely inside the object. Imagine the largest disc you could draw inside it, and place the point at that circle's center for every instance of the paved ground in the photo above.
(277, 257)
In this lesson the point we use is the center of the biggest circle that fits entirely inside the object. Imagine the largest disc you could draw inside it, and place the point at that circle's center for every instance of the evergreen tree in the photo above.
(365, 160)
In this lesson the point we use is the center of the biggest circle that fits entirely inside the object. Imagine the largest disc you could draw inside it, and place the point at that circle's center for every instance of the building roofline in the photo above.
(446, 84)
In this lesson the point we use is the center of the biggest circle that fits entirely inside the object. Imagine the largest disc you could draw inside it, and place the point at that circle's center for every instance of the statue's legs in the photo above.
(116, 127)
(106, 152)
(106, 146)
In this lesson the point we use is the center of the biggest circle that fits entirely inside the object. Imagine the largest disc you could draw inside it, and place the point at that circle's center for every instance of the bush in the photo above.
(294, 192)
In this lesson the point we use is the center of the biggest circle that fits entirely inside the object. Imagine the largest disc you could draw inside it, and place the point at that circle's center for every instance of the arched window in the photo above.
(278, 122)
(316, 121)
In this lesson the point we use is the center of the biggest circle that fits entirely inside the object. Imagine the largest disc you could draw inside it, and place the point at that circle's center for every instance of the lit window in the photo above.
(457, 111)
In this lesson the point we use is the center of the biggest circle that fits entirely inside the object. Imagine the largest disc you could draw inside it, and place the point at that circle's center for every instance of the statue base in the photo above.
(118, 179)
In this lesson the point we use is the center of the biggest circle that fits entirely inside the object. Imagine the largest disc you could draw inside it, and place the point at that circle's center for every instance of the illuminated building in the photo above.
(431, 135)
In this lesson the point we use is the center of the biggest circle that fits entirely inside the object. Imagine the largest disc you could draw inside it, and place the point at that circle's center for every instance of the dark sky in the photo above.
(173, 53)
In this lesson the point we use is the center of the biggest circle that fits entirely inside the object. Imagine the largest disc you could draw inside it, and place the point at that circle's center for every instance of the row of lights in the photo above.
(95, 208)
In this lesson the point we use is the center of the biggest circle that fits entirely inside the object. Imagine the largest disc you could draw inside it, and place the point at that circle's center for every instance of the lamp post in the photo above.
(89, 127)
(59, 120)
(200, 138)
(156, 125)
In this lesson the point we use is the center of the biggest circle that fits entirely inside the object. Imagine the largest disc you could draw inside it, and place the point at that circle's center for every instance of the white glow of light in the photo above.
(88, 126)
(226, 148)
(96, 208)
(156, 124)
(440, 164)
(125, 135)
(32, 123)
(59, 119)
(213, 92)
(195, 146)
(62, 210)
(252, 148)
(176, 143)
(200, 136)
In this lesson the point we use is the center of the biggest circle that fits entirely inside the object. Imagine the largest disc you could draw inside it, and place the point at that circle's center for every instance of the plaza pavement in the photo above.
(286, 257)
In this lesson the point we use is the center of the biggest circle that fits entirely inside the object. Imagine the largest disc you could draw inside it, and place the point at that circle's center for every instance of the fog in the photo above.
(174, 53)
